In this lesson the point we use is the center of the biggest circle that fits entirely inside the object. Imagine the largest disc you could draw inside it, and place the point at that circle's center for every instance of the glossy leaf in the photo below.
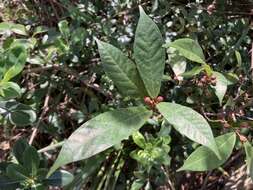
(101, 133)
(238, 58)
(120, 69)
(8, 183)
(232, 78)
(17, 113)
(177, 63)
(137, 184)
(17, 172)
(64, 28)
(40, 30)
(220, 88)
(9, 90)
(22, 116)
(5, 26)
(249, 158)
(19, 148)
(203, 159)
(90, 166)
(188, 48)
(149, 54)
(12, 27)
(207, 69)
(15, 62)
(41, 174)
(139, 139)
(59, 178)
(19, 29)
(31, 160)
(189, 123)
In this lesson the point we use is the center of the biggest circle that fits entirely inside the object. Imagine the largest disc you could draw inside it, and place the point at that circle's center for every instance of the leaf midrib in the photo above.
(121, 69)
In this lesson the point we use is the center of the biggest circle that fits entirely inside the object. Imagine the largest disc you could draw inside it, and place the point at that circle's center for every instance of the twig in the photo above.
(45, 109)
(238, 93)
(40, 69)
(206, 180)
(211, 114)
(168, 178)
(233, 158)
(55, 11)
(251, 65)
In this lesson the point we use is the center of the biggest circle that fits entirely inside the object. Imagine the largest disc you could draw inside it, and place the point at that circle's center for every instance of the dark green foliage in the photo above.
(27, 173)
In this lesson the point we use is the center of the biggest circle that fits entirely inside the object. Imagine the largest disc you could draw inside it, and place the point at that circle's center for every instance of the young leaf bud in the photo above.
(159, 99)
(213, 77)
(242, 138)
(210, 9)
(147, 100)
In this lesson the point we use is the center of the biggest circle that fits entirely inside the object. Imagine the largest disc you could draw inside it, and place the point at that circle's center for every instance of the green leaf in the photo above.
(203, 159)
(19, 29)
(40, 30)
(64, 28)
(78, 35)
(177, 63)
(189, 48)
(189, 123)
(220, 88)
(12, 27)
(149, 54)
(17, 172)
(166, 78)
(5, 27)
(238, 58)
(137, 184)
(31, 160)
(232, 78)
(8, 184)
(90, 166)
(61, 46)
(38, 186)
(139, 139)
(249, 158)
(22, 116)
(41, 174)
(9, 90)
(8, 42)
(208, 69)
(120, 69)
(193, 72)
(17, 113)
(19, 148)
(59, 178)
(3, 166)
(15, 62)
(101, 133)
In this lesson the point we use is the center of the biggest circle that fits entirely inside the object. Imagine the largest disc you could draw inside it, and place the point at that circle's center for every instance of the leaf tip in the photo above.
(141, 9)
(180, 169)
(51, 171)
(215, 149)
(97, 40)
(53, 168)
